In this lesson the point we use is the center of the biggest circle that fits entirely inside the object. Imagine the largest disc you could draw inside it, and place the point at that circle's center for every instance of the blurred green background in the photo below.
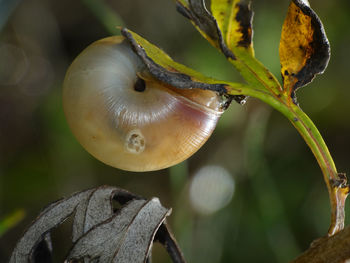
(252, 193)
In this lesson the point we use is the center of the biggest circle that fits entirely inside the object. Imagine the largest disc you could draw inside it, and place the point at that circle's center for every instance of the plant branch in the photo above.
(328, 249)
(337, 186)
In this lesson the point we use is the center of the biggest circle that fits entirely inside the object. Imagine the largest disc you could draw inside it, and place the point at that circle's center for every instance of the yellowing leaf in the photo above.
(304, 48)
(221, 10)
(163, 68)
(234, 18)
(204, 22)
(229, 29)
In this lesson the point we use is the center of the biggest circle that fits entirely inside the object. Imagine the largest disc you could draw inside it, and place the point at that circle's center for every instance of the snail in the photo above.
(128, 119)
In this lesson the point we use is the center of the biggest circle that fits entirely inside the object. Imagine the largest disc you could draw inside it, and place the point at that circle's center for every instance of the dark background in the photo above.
(279, 203)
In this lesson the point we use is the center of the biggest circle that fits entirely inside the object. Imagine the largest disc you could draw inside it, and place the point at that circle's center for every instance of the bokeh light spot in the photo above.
(211, 189)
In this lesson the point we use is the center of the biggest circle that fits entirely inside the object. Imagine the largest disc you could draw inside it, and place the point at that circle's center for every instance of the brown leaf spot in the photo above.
(244, 17)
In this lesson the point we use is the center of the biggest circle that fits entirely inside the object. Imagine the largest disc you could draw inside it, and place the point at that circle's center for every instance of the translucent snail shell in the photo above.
(126, 118)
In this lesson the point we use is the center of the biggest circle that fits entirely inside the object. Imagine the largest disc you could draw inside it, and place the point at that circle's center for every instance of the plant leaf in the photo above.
(197, 13)
(136, 223)
(100, 233)
(304, 47)
(234, 18)
(163, 68)
(232, 35)
(93, 210)
(51, 217)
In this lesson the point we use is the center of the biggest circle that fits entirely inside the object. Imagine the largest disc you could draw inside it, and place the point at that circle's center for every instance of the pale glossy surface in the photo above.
(127, 129)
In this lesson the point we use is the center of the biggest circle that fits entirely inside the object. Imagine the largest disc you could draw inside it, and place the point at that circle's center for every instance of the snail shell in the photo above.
(126, 118)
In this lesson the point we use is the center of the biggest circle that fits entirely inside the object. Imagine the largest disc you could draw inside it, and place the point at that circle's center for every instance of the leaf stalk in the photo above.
(336, 183)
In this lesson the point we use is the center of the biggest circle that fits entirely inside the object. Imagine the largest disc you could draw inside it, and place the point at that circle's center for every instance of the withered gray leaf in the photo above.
(51, 217)
(136, 223)
(93, 210)
(99, 233)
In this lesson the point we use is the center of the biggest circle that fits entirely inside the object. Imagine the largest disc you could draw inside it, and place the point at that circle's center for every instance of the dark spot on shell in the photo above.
(140, 85)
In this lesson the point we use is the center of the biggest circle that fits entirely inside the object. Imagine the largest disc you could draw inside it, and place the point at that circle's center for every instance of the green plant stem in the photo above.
(336, 183)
